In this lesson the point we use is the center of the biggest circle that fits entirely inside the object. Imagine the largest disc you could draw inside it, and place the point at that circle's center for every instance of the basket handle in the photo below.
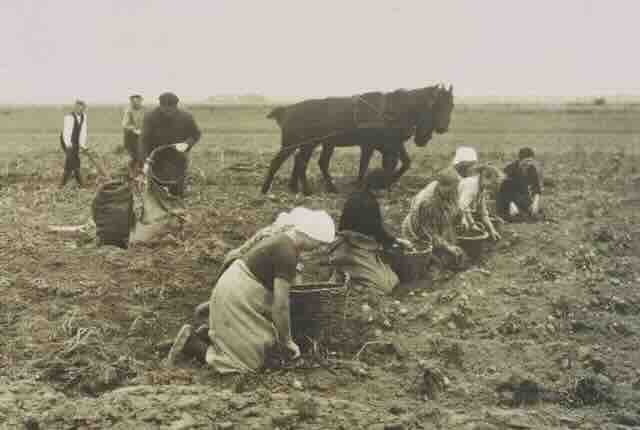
(347, 284)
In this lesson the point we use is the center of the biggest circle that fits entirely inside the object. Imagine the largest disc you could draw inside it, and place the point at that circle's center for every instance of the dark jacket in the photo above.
(523, 181)
(159, 129)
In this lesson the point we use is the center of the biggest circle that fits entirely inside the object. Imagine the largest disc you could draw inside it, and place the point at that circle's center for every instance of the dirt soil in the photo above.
(541, 332)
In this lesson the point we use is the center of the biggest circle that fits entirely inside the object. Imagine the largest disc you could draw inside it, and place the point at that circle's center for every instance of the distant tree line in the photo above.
(249, 99)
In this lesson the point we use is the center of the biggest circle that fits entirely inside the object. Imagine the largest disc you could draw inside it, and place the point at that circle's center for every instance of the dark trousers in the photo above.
(177, 189)
(508, 194)
(75, 173)
(71, 164)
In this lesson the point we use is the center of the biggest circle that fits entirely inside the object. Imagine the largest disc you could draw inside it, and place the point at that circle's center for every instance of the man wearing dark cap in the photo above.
(520, 192)
(132, 126)
(72, 138)
(167, 125)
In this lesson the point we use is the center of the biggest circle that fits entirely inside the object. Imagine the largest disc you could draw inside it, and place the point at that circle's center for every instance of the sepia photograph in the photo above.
(381, 215)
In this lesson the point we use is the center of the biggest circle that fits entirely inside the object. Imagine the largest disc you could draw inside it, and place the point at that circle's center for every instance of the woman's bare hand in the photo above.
(293, 349)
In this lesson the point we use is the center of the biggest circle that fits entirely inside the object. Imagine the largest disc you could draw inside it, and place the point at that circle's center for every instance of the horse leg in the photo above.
(295, 173)
(366, 152)
(303, 157)
(405, 164)
(389, 163)
(323, 163)
(284, 153)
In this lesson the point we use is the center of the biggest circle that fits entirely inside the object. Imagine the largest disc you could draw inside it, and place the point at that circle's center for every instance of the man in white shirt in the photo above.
(72, 138)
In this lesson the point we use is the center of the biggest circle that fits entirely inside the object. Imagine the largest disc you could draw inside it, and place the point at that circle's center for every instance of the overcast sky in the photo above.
(55, 51)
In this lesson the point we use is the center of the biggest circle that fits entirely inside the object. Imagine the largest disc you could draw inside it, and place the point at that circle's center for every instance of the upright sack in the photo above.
(113, 214)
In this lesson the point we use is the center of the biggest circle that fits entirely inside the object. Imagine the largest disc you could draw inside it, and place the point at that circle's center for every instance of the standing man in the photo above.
(132, 125)
(166, 125)
(72, 138)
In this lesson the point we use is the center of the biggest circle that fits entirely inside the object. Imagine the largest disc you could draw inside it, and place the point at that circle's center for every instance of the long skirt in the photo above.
(362, 258)
(241, 329)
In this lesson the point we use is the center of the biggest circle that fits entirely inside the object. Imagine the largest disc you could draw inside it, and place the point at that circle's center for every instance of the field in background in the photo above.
(27, 131)
(552, 304)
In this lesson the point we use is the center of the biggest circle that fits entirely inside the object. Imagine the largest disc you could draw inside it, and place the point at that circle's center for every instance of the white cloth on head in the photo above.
(465, 153)
(288, 218)
(317, 224)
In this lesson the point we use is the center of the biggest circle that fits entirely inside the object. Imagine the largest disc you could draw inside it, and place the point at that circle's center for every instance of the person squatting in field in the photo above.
(72, 138)
(132, 125)
(435, 211)
(520, 192)
(473, 193)
(249, 306)
(362, 241)
(166, 125)
(282, 223)
(433, 217)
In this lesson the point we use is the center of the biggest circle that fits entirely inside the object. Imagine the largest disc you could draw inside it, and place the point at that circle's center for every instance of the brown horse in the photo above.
(373, 121)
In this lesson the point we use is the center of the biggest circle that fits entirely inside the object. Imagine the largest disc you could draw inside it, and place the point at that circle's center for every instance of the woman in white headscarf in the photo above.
(249, 306)
(463, 162)
(283, 222)
(473, 192)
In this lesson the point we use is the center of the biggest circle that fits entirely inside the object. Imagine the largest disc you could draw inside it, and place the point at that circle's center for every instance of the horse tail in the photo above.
(277, 114)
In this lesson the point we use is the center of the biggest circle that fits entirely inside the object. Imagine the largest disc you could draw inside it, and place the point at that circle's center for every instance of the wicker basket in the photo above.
(410, 265)
(317, 312)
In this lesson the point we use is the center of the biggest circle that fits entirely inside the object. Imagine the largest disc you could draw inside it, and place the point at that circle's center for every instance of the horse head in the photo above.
(433, 112)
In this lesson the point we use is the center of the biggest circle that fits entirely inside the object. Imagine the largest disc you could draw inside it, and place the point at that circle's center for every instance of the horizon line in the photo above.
(494, 99)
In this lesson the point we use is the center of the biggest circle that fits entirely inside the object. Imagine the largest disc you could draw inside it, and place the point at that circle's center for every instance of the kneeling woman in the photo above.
(362, 240)
(473, 192)
(433, 217)
(249, 306)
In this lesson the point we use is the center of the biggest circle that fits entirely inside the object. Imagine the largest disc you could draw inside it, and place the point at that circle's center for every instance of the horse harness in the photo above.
(381, 112)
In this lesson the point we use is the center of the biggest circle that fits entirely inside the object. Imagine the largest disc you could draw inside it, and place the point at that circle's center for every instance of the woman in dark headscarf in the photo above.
(362, 239)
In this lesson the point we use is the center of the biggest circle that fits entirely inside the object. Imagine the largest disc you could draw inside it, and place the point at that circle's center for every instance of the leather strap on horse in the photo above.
(357, 98)
(380, 113)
